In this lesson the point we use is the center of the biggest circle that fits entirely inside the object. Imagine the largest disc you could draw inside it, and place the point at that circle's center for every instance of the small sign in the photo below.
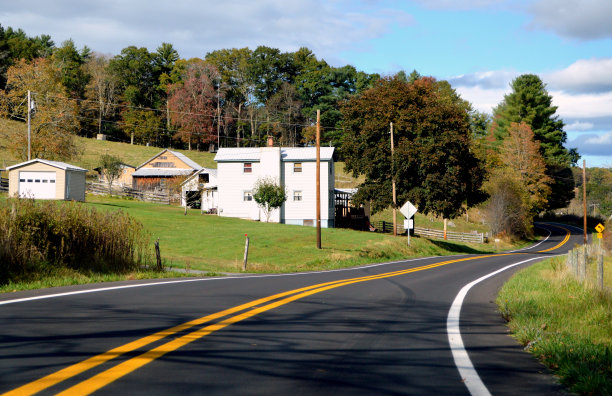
(408, 210)
(600, 228)
(408, 224)
(599, 235)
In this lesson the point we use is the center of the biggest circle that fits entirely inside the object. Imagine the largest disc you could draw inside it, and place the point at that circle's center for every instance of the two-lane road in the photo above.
(419, 326)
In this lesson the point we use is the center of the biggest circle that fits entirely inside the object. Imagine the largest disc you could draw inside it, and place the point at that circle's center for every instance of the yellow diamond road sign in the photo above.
(599, 228)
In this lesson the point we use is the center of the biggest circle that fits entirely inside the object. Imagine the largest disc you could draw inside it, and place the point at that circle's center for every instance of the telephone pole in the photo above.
(393, 184)
(584, 202)
(29, 125)
(318, 179)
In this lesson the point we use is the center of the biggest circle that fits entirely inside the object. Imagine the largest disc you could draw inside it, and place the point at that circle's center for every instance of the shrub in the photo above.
(45, 236)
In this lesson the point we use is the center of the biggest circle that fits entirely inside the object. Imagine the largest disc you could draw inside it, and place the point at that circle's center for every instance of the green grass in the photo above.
(565, 324)
(213, 243)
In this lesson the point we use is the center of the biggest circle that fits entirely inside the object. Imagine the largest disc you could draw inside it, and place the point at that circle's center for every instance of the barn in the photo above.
(161, 170)
(44, 179)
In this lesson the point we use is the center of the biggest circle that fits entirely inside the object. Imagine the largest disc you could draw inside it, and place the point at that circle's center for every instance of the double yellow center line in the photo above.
(240, 313)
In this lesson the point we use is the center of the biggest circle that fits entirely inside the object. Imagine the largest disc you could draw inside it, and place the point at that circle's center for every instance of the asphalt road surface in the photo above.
(424, 326)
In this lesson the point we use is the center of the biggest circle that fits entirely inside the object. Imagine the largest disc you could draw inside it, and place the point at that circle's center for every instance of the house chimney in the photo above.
(270, 141)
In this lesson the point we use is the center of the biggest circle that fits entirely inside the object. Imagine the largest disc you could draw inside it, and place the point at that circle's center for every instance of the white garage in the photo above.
(44, 179)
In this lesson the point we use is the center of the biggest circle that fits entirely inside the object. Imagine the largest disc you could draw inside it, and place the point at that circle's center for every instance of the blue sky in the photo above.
(477, 45)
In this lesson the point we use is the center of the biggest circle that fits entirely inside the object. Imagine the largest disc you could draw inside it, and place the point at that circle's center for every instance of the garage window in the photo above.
(22, 180)
(52, 181)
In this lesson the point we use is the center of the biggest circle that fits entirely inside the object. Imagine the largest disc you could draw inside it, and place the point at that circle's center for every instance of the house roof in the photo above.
(210, 171)
(161, 172)
(288, 154)
(56, 164)
(188, 161)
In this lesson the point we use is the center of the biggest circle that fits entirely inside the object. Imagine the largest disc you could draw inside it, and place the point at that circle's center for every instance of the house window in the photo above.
(203, 178)
(297, 195)
(247, 196)
(297, 167)
(248, 167)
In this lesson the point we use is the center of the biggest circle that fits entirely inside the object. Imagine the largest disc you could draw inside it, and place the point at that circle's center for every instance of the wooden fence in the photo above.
(385, 226)
(102, 189)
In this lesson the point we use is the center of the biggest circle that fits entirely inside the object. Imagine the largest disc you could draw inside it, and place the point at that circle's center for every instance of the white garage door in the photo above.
(39, 185)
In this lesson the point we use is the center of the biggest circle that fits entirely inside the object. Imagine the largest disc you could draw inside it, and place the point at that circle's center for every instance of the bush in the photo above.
(42, 237)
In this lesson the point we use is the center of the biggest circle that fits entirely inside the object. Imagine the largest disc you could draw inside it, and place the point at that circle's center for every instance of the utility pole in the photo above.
(393, 184)
(218, 116)
(29, 125)
(318, 192)
(584, 202)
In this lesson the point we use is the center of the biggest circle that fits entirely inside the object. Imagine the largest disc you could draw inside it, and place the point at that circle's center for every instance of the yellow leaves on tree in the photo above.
(54, 118)
(521, 157)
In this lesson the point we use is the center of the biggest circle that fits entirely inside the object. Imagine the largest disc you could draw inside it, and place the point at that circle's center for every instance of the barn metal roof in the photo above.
(56, 164)
(288, 154)
(188, 161)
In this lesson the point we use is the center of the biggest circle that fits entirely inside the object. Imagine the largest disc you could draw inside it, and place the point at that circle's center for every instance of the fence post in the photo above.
(583, 269)
(246, 253)
(600, 274)
(575, 261)
(158, 256)
(383, 227)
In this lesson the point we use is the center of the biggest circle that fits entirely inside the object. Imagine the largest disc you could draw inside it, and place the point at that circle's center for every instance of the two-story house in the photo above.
(238, 169)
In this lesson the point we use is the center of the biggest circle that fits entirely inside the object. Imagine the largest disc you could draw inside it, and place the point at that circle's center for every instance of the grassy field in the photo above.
(565, 324)
(213, 243)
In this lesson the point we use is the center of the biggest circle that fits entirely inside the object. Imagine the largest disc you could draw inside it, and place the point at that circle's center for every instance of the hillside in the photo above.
(130, 154)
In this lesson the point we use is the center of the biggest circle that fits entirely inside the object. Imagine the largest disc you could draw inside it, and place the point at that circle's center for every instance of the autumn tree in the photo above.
(193, 102)
(433, 165)
(530, 103)
(520, 154)
(54, 119)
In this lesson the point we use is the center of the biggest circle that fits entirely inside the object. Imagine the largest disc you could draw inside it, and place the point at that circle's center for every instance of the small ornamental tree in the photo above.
(269, 195)
(111, 168)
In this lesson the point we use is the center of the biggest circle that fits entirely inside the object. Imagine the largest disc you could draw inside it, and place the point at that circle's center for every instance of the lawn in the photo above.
(213, 243)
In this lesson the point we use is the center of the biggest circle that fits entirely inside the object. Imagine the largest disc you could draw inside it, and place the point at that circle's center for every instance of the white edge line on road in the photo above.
(466, 369)
(103, 289)
(536, 245)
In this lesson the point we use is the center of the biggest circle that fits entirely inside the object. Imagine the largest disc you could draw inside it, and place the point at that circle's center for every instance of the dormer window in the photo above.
(248, 167)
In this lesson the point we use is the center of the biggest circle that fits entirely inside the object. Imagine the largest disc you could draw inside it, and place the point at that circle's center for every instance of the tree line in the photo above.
(230, 97)
(448, 157)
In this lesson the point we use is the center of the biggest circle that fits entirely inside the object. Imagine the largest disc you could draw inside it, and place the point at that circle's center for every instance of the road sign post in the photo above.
(408, 210)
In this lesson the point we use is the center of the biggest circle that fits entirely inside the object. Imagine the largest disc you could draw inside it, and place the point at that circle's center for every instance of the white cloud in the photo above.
(584, 19)
(579, 126)
(583, 76)
(202, 26)
(583, 106)
(593, 144)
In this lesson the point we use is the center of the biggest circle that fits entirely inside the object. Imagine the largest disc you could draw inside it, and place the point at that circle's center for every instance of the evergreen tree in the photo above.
(530, 103)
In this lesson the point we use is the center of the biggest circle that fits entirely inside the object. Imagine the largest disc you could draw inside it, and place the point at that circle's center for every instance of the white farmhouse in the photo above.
(238, 169)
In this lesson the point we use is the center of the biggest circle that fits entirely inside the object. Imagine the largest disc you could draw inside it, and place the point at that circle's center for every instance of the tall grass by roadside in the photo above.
(44, 237)
(565, 324)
